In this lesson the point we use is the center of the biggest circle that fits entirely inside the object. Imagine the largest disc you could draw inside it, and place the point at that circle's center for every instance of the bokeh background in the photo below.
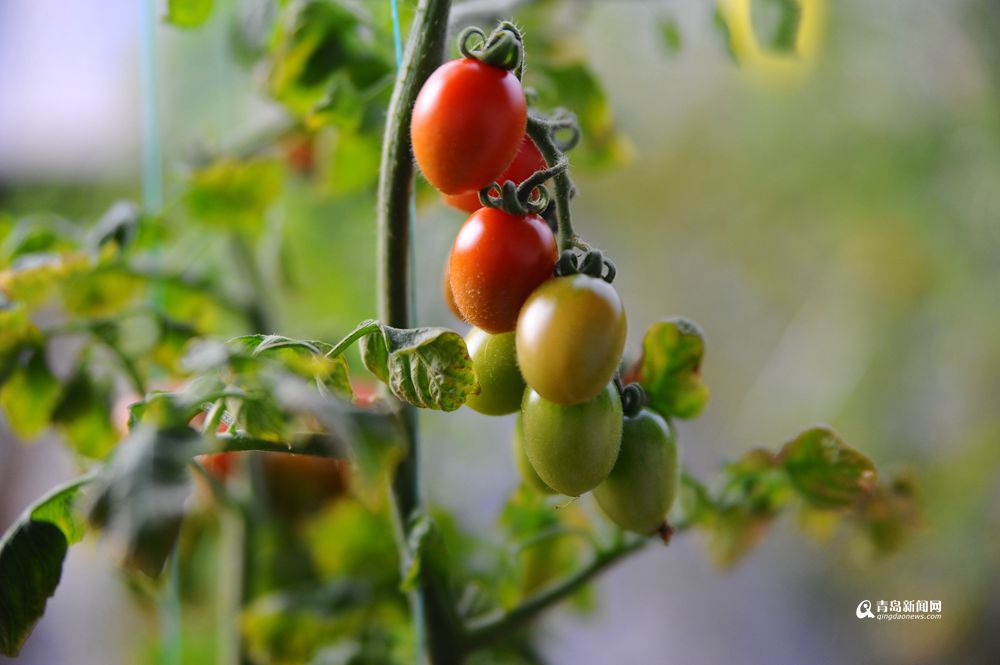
(836, 234)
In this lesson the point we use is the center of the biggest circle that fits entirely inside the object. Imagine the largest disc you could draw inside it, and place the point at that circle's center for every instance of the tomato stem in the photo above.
(433, 617)
(542, 132)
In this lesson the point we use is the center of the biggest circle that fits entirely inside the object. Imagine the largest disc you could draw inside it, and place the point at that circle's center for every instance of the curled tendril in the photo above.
(633, 399)
(515, 200)
(528, 198)
(503, 48)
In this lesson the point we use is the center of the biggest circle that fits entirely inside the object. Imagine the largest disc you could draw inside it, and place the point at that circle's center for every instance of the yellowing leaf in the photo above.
(670, 368)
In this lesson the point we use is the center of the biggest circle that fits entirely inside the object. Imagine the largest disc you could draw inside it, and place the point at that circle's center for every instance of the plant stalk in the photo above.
(424, 49)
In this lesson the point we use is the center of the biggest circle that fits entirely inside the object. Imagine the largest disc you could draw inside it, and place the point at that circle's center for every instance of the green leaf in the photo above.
(825, 471)
(427, 367)
(670, 34)
(100, 292)
(428, 560)
(83, 415)
(573, 85)
(188, 13)
(776, 23)
(16, 329)
(291, 626)
(307, 358)
(31, 558)
(323, 58)
(30, 394)
(670, 368)
(142, 493)
(234, 195)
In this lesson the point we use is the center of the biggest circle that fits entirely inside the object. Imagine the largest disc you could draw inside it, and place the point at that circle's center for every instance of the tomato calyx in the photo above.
(591, 262)
(503, 48)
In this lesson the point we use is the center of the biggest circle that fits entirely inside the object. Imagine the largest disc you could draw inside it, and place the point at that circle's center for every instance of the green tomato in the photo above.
(641, 488)
(570, 338)
(528, 474)
(572, 448)
(495, 363)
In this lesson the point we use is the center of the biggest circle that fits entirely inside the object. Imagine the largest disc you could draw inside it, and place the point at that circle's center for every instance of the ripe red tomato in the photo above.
(496, 262)
(468, 123)
(220, 465)
(527, 161)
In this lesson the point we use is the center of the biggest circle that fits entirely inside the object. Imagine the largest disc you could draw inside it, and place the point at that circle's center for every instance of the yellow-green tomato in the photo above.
(641, 488)
(572, 448)
(495, 363)
(570, 338)
(528, 474)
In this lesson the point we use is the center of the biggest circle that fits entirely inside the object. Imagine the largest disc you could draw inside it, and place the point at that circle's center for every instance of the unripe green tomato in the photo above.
(572, 447)
(528, 474)
(570, 338)
(495, 363)
(641, 488)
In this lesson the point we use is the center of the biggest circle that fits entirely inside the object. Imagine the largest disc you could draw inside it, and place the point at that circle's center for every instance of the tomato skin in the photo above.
(500, 382)
(572, 448)
(640, 489)
(528, 474)
(468, 122)
(527, 161)
(449, 297)
(570, 338)
(496, 262)
(220, 465)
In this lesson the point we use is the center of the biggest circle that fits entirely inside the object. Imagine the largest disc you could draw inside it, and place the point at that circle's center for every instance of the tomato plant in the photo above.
(325, 548)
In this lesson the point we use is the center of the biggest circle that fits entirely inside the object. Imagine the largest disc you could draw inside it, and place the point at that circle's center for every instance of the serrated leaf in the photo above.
(825, 471)
(307, 358)
(670, 368)
(142, 494)
(188, 13)
(32, 552)
(30, 394)
(234, 195)
(427, 367)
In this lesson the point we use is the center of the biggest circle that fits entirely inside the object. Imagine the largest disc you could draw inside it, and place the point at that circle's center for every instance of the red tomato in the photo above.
(527, 161)
(496, 262)
(468, 123)
(220, 465)
(449, 297)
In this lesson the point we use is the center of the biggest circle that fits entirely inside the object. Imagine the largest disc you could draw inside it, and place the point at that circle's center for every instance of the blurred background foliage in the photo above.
(832, 226)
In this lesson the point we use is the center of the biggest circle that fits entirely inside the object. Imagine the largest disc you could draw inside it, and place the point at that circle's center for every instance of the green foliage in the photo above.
(825, 471)
(31, 558)
(670, 368)
(29, 394)
(141, 495)
(234, 195)
(817, 468)
(427, 367)
(188, 13)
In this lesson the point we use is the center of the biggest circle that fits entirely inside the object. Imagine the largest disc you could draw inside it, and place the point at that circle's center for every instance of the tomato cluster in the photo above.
(547, 337)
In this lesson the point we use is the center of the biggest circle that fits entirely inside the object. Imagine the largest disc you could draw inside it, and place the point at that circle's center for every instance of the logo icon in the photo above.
(864, 610)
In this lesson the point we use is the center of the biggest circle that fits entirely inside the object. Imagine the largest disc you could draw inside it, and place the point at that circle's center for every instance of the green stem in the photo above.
(500, 625)
(540, 132)
(424, 50)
